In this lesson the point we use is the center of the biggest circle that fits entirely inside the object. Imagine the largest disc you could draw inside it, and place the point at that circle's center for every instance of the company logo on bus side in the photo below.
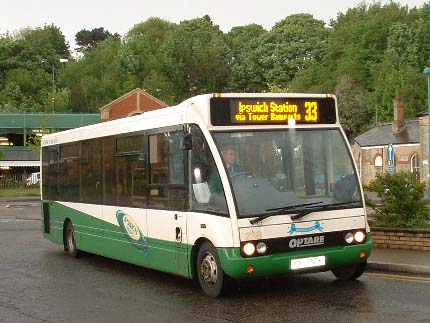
(131, 230)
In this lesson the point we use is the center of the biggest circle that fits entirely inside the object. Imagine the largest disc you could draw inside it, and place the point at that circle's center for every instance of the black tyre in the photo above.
(211, 277)
(70, 241)
(350, 272)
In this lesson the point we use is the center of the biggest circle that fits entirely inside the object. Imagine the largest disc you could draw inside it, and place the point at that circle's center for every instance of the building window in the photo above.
(378, 163)
(415, 164)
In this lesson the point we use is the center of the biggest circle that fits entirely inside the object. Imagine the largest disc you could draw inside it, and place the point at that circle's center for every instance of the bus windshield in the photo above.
(281, 169)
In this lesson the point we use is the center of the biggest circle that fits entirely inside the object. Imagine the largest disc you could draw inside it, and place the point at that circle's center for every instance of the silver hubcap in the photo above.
(208, 269)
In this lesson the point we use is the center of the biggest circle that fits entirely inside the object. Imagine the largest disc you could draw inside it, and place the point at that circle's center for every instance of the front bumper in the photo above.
(235, 266)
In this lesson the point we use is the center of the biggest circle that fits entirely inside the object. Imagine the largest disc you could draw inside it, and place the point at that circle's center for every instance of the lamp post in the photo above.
(427, 74)
(54, 90)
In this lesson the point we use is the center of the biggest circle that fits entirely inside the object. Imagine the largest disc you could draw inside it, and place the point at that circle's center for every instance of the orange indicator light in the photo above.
(362, 255)
(250, 269)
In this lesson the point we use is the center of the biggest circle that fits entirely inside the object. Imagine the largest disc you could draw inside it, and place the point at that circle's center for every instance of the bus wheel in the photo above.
(70, 241)
(349, 272)
(209, 271)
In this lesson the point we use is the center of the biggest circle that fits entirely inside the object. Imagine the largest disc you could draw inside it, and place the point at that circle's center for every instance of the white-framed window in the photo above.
(415, 164)
(378, 162)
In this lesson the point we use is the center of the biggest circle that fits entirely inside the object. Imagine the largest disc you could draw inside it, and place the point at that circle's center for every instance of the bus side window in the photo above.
(90, 171)
(205, 176)
(167, 188)
(130, 174)
(50, 173)
(69, 172)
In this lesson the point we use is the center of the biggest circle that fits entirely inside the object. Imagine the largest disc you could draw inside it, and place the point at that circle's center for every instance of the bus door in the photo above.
(167, 202)
(124, 213)
(49, 184)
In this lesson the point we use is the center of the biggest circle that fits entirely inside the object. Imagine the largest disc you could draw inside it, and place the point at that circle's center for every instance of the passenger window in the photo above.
(91, 173)
(166, 158)
(167, 171)
(50, 173)
(130, 172)
(69, 173)
(109, 196)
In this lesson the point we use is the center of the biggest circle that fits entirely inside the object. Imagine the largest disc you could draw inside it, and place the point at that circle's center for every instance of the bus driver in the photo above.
(229, 156)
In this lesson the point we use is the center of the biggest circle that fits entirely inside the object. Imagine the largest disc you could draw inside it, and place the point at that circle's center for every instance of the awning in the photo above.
(19, 163)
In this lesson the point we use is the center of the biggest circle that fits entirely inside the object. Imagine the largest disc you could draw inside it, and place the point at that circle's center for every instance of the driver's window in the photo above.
(207, 191)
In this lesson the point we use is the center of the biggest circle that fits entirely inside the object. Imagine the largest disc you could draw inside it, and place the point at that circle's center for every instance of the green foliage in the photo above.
(365, 56)
(89, 39)
(142, 59)
(94, 80)
(352, 102)
(402, 197)
(292, 45)
(196, 58)
(247, 74)
(26, 63)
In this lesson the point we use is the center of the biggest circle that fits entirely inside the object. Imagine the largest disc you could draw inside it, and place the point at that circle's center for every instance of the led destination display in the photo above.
(248, 111)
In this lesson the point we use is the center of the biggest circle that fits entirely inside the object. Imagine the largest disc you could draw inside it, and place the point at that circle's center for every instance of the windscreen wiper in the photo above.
(321, 208)
(280, 210)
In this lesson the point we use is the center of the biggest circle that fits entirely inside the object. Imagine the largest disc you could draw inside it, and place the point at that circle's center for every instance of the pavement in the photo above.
(415, 262)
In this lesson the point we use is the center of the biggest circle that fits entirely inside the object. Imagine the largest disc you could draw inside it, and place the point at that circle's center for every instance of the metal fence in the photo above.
(12, 181)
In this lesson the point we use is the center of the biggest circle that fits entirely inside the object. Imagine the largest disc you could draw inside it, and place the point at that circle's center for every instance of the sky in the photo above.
(119, 16)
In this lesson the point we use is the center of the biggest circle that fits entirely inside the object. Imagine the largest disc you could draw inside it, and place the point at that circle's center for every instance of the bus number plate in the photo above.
(309, 262)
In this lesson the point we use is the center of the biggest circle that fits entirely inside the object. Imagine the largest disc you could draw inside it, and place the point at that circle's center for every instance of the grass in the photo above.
(20, 192)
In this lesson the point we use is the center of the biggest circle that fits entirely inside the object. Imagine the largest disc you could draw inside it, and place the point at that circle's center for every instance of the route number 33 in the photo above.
(311, 111)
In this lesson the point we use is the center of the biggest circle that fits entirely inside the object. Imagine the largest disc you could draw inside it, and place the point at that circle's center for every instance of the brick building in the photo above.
(131, 103)
(408, 138)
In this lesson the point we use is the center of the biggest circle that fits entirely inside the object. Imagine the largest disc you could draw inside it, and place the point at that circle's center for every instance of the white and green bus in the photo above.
(155, 190)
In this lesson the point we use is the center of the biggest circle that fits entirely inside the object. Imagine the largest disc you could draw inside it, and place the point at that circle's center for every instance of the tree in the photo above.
(89, 39)
(246, 74)
(352, 101)
(25, 82)
(141, 58)
(359, 39)
(399, 71)
(96, 79)
(196, 58)
(291, 46)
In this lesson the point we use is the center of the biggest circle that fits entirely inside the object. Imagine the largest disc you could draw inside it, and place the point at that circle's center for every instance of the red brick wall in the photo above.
(146, 104)
(123, 108)
(131, 105)
(393, 238)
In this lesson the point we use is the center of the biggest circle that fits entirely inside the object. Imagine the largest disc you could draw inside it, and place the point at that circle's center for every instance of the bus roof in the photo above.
(188, 111)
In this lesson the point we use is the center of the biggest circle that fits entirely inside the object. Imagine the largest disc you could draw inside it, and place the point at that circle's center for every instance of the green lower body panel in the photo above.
(235, 266)
(106, 239)
(100, 237)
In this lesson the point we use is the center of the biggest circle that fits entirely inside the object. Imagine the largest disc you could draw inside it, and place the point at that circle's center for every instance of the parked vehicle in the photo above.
(33, 179)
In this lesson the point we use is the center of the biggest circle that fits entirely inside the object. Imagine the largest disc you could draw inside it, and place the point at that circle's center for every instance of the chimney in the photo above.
(399, 114)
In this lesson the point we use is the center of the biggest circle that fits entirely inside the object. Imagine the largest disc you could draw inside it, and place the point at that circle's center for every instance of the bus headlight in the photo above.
(261, 248)
(359, 236)
(349, 238)
(248, 249)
